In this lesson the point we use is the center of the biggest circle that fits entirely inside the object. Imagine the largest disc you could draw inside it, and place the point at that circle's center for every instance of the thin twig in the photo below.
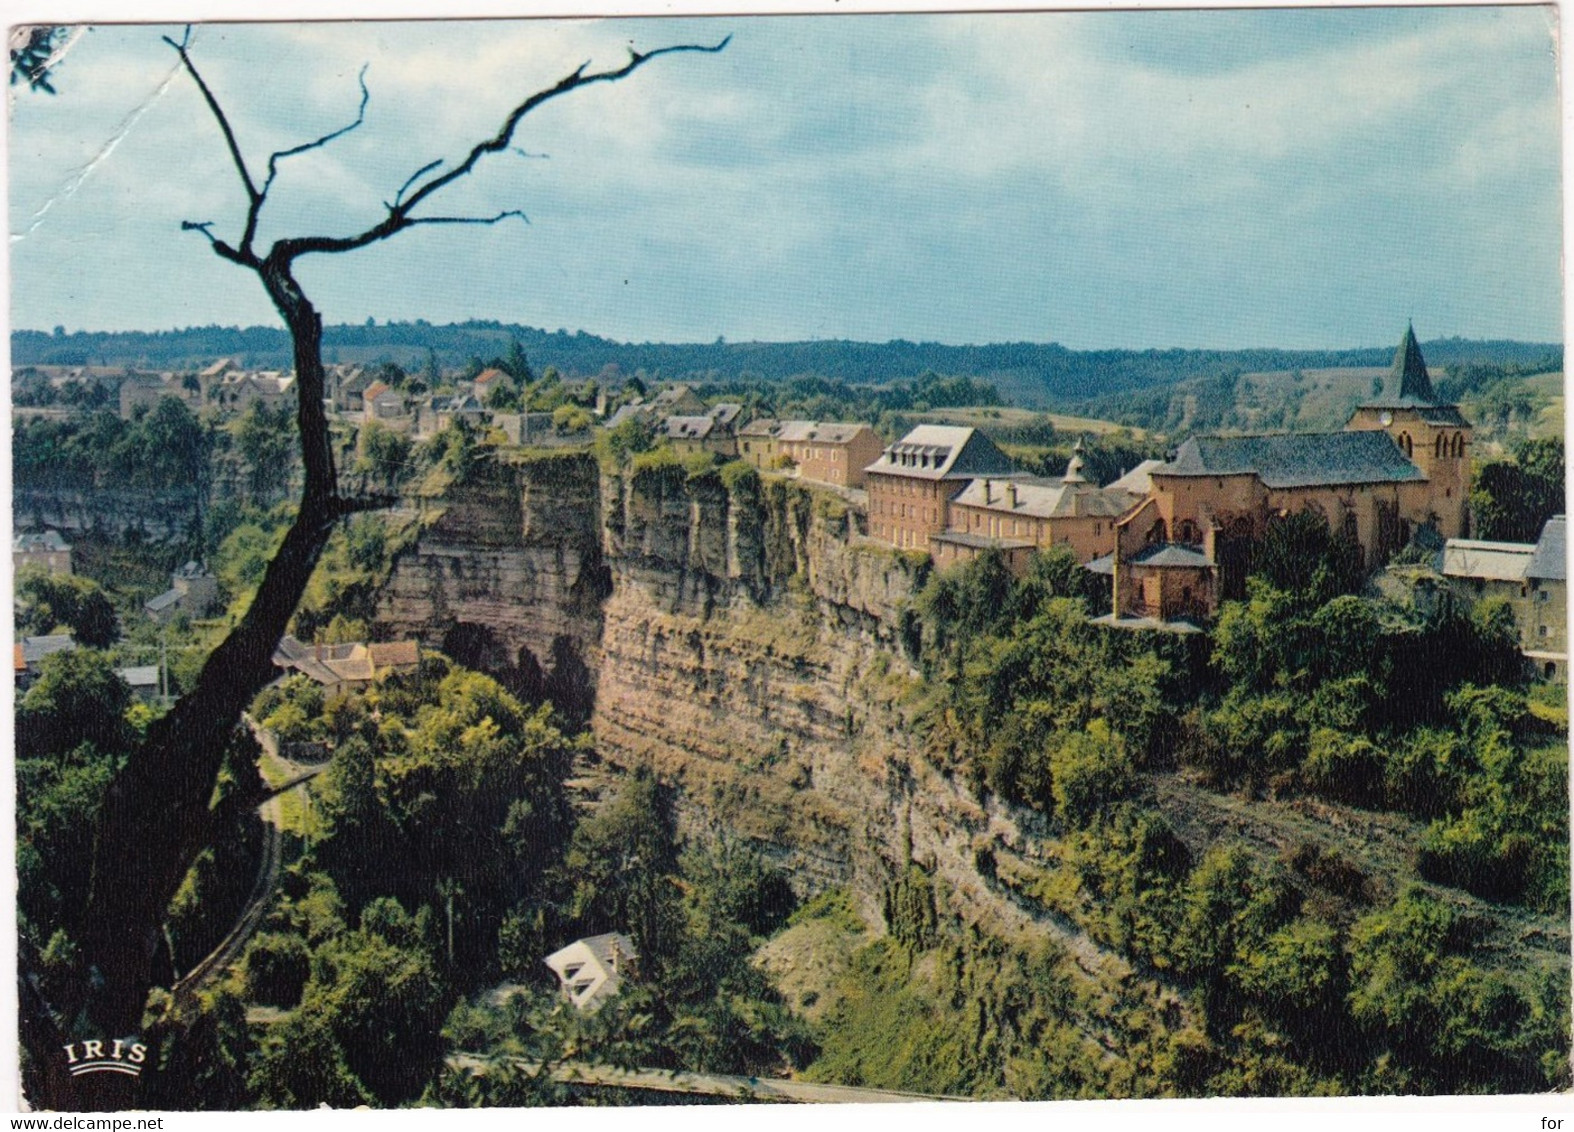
(360, 117)
(504, 215)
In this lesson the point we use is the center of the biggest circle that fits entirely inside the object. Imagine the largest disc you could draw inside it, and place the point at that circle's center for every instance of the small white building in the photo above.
(591, 970)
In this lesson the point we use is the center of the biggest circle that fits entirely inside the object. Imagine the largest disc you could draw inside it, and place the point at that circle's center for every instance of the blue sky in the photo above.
(1104, 179)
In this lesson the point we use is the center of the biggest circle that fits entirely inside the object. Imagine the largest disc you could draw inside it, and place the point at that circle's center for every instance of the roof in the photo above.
(724, 413)
(34, 649)
(637, 411)
(166, 600)
(142, 676)
(942, 452)
(192, 569)
(671, 394)
(487, 376)
(375, 389)
(602, 947)
(1044, 500)
(1296, 459)
(1170, 555)
(1409, 370)
(1104, 564)
(1550, 560)
(34, 542)
(394, 654)
(759, 426)
(1138, 481)
(1490, 561)
(591, 969)
(835, 432)
(981, 542)
(688, 428)
(1410, 387)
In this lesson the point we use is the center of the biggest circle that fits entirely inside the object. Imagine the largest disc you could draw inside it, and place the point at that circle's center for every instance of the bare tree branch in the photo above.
(427, 168)
(399, 217)
(360, 116)
(573, 81)
(224, 123)
(505, 215)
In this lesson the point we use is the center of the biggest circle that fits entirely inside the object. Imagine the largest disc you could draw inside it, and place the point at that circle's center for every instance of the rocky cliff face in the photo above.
(508, 576)
(745, 640)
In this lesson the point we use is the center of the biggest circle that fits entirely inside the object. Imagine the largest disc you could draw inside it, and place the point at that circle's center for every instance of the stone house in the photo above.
(238, 391)
(1020, 516)
(40, 548)
(1402, 461)
(29, 652)
(345, 667)
(590, 971)
(193, 590)
(1531, 578)
(698, 434)
(913, 482)
(831, 451)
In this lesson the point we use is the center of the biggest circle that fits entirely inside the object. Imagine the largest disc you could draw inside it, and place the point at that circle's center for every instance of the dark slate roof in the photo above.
(1104, 564)
(1410, 387)
(166, 600)
(1550, 559)
(1165, 554)
(1306, 459)
(943, 452)
(1409, 374)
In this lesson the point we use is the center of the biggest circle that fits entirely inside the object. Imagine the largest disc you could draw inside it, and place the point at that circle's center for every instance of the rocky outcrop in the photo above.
(167, 516)
(507, 574)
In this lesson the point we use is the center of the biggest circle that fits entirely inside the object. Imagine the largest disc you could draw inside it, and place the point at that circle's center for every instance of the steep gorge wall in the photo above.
(508, 574)
(745, 641)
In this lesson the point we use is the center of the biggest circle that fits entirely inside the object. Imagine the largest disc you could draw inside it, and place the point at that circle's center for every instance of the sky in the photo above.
(1208, 179)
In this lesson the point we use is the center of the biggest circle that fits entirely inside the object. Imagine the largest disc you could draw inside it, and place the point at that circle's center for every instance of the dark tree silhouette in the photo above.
(158, 814)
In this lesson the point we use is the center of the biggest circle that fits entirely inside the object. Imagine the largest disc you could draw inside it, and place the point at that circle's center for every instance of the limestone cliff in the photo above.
(747, 641)
(508, 575)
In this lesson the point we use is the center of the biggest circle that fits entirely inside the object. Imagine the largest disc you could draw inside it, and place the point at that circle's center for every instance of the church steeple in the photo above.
(1410, 370)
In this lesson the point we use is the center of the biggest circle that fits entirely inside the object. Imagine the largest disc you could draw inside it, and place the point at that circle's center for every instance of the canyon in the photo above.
(749, 643)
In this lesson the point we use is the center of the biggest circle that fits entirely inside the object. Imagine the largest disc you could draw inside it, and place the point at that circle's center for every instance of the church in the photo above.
(1401, 462)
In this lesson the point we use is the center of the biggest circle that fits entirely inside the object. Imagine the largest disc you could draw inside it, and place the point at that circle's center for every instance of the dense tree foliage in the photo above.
(1510, 500)
(48, 603)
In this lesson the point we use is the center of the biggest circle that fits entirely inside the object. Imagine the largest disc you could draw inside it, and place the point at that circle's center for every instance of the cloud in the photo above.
(1214, 175)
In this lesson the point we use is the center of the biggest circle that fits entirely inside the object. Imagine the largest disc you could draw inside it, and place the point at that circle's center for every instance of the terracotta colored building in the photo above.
(913, 482)
(1020, 516)
(1402, 461)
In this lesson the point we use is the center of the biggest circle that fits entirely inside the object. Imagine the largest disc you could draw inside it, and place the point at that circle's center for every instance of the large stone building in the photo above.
(913, 482)
(1022, 515)
(1402, 461)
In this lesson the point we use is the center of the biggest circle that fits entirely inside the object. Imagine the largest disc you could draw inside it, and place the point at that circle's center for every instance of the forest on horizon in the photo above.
(1032, 375)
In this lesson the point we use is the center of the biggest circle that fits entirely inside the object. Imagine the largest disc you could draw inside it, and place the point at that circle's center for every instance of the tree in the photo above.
(157, 817)
(45, 602)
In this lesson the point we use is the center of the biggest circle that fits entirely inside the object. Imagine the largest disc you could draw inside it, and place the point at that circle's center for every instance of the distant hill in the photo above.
(1033, 375)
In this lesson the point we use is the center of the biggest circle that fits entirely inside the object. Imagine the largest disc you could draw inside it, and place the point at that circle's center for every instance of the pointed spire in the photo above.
(1074, 467)
(1410, 370)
